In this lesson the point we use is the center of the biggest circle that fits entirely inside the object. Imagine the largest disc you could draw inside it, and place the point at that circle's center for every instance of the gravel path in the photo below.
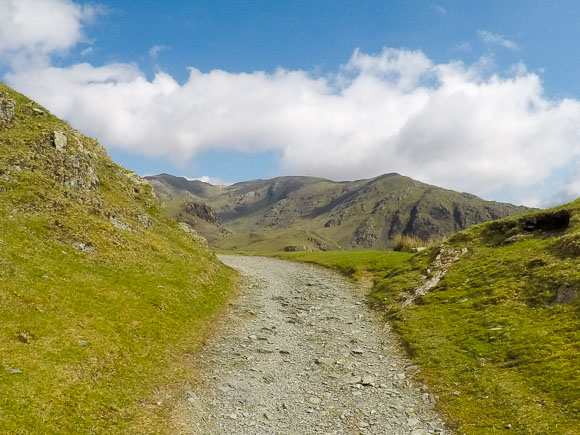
(300, 353)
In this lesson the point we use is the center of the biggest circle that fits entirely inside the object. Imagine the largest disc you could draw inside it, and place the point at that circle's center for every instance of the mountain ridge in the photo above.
(367, 213)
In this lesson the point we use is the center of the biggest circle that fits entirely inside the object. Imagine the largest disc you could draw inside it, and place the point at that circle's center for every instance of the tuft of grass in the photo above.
(404, 243)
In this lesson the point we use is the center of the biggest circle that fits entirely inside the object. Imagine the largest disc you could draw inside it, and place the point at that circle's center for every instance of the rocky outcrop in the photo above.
(202, 211)
(365, 236)
(7, 107)
(436, 270)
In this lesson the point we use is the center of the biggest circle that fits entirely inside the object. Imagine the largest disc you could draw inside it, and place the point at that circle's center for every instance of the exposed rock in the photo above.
(323, 246)
(438, 268)
(38, 112)
(565, 295)
(550, 222)
(365, 235)
(24, 337)
(293, 248)
(118, 223)
(84, 247)
(145, 221)
(135, 177)
(7, 106)
(202, 211)
(186, 228)
(79, 174)
(70, 164)
(59, 140)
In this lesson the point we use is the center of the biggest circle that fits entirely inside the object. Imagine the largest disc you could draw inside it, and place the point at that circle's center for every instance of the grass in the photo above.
(101, 341)
(494, 340)
(351, 263)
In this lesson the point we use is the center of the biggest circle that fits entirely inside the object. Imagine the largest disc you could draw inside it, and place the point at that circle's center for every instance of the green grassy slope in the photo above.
(498, 338)
(101, 297)
(360, 214)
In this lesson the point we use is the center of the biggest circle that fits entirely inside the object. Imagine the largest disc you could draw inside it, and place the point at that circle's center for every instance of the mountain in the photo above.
(102, 296)
(307, 213)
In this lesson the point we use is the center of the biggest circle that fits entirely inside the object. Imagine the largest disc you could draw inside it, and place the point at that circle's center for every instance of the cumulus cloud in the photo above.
(32, 30)
(495, 39)
(455, 125)
(451, 124)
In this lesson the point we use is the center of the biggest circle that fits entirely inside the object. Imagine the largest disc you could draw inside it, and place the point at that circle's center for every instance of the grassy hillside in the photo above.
(318, 214)
(102, 297)
(497, 338)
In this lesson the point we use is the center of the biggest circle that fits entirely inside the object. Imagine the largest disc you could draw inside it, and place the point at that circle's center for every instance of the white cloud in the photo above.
(495, 39)
(455, 125)
(31, 30)
(156, 49)
(211, 180)
(449, 124)
(87, 51)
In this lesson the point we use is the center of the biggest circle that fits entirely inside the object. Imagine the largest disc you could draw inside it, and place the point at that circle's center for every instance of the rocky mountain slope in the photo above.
(318, 214)
(101, 295)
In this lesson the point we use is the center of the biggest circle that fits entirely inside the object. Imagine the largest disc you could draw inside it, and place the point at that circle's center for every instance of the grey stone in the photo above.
(118, 223)
(368, 380)
(7, 106)
(145, 221)
(84, 247)
(59, 140)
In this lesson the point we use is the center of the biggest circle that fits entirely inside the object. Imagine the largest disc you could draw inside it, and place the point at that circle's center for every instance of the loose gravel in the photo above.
(301, 353)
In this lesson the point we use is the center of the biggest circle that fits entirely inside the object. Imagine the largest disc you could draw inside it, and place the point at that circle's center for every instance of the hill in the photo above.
(102, 297)
(491, 318)
(306, 213)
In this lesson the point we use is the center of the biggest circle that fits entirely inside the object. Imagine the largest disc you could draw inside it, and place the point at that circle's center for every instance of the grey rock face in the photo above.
(202, 211)
(70, 163)
(7, 106)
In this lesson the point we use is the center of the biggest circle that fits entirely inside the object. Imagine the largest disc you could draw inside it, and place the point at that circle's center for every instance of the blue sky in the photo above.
(341, 61)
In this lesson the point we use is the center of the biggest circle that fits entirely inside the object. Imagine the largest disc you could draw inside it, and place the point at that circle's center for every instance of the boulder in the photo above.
(59, 140)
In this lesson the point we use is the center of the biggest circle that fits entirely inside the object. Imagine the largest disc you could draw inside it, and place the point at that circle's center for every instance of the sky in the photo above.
(479, 96)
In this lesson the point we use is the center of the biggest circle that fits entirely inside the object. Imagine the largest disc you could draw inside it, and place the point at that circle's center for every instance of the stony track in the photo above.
(301, 353)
